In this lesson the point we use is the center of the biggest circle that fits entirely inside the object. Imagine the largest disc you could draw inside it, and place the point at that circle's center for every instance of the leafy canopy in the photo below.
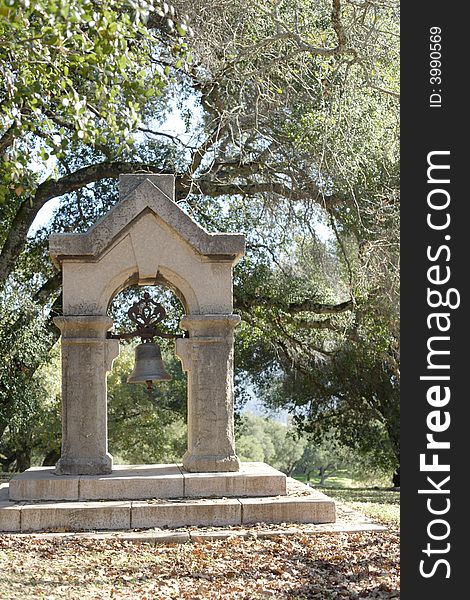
(77, 72)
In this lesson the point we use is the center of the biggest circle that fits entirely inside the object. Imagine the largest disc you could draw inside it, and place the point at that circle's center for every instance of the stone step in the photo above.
(139, 482)
(314, 507)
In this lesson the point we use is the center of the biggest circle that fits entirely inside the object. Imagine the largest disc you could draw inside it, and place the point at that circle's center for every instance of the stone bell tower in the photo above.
(147, 239)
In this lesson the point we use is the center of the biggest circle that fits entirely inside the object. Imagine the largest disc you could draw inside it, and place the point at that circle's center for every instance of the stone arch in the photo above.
(147, 239)
(165, 277)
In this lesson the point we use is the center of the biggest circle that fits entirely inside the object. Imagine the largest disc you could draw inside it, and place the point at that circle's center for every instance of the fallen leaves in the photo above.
(358, 566)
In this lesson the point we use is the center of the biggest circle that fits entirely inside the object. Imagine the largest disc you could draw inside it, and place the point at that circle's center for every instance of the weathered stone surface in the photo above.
(129, 183)
(146, 234)
(303, 505)
(253, 479)
(138, 482)
(303, 509)
(86, 357)
(134, 483)
(76, 516)
(40, 483)
(151, 193)
(10, 519)
(179, 514)
(207, 357)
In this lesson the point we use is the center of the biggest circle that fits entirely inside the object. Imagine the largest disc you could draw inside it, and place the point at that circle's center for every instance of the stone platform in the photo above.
(158, 496)
(300, 505)
(141, 482)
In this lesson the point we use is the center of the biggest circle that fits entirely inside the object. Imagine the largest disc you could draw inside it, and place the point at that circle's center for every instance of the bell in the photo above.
(148, 365)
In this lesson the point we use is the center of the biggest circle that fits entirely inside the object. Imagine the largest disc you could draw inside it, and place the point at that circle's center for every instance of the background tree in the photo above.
(25, 342)
(32, 434)
(266, 440)
(291, 115)
(340, 371)
(323, 459)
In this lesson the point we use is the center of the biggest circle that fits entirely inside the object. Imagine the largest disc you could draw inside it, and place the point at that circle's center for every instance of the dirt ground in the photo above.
(321, 565)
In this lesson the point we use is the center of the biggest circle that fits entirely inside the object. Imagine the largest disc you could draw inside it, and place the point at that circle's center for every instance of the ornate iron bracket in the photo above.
(146, 314)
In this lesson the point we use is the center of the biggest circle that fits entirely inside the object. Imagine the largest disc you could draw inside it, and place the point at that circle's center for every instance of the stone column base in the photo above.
(84, 466)
(87, 355)
(210, 463)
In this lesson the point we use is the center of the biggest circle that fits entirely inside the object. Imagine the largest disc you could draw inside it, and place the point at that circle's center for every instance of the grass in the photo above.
(344, 479)
(380, 504)
(375, 500)
(339, 480)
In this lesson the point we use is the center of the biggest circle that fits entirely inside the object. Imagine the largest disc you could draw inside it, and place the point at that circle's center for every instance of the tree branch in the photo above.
(173, 138)
(340, 48)
(306, 305)
(49, 287)
(308, 324)
(186, 180)
(205, 185)
(7, 139)
(49, 189)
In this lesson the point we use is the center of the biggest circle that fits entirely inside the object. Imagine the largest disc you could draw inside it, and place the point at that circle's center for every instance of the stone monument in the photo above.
(147, 239)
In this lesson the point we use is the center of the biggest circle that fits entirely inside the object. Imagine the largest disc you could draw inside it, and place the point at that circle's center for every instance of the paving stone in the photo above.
(206, 536)
(253, 479)
(172, 538)
(307, 509)
(303, 505)
(40, 483)
(10, 516)
(179, 514)
(76, 516)
(134, 482)
(140, 482)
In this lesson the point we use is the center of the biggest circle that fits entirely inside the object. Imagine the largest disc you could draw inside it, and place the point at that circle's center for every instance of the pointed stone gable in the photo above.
(141, 194)
(146, 239)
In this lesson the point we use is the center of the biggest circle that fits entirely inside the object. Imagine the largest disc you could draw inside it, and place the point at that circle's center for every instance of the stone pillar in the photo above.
(207, 357)
(86, 358)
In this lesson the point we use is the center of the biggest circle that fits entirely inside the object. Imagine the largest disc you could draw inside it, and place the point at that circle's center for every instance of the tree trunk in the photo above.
(396, 477)
(290, 470)
(51, 458)
(23, 459)
(7, 461)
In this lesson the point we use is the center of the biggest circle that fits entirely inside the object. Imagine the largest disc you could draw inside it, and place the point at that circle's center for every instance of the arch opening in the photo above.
(129, 278)
(146, 426)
